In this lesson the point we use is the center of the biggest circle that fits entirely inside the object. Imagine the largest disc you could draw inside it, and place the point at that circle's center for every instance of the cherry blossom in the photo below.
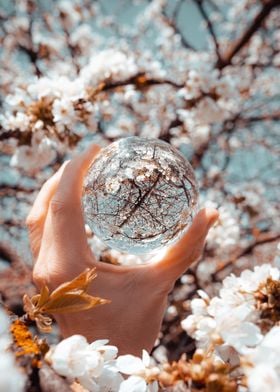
(91, 364)
(210, 321)
(96, 369)
(262, 365)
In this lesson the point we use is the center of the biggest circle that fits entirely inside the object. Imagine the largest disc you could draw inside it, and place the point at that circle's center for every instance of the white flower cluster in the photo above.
(229, 323)
(82, 45)
(39, 154)
(11, 379)
(209, 98)
(231, 317)
(225, 235)
(52, 107)
(108, 64)
(262, 364)
(96, 366)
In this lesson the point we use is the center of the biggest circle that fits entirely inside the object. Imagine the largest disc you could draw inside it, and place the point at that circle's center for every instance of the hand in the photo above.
(138, 293)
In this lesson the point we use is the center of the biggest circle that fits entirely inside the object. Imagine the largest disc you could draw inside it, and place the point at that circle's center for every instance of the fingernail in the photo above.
(65, 162)
(212, 221)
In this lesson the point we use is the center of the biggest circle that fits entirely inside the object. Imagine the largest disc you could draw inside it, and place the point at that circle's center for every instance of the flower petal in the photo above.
(146, 358)
(98, 343)
(133, 384)
(68, 357)
(128, 364)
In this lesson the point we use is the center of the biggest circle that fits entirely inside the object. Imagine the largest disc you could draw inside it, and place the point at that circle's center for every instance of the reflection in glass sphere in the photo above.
(139, 195)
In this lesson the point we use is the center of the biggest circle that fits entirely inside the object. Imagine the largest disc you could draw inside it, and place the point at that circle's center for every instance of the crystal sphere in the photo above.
(139, 195)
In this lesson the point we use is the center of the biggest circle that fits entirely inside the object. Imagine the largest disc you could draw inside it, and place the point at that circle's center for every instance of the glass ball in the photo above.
(139, 195)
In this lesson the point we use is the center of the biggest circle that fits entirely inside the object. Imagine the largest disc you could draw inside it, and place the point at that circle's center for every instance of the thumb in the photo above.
(178, 257)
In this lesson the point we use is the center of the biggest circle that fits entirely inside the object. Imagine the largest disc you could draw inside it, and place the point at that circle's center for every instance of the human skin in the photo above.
(138, 293)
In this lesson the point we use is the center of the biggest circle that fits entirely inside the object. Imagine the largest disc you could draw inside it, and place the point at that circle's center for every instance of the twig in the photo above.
(31, 52)
(265, 239)
(172, 22)
(247, 34)
(140, 80)
(262, 117)
(165, 133)
(71, 47)
(209, 26)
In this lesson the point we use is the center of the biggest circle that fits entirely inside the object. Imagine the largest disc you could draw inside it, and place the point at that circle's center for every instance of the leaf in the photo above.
(80, 283)
(67, 298)
(35, 299)
(44, 295)
(44, 323)
(72, 302)
(27, 305)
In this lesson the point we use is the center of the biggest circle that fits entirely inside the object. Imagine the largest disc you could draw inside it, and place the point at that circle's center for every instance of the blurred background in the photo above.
(202, 75)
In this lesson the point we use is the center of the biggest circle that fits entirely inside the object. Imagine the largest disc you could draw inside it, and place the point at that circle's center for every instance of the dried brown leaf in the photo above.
(69, 297)
(44, 323)
(28, 305)
(80, 283)
(43, 296)
(71, 302)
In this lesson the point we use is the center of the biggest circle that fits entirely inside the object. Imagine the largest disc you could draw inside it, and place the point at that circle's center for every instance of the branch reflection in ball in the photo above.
(139, 195)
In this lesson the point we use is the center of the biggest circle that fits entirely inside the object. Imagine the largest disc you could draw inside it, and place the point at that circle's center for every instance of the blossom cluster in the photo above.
(97, 368)
(236, 335)
(59, 99)
(241, 325)
(53, 112)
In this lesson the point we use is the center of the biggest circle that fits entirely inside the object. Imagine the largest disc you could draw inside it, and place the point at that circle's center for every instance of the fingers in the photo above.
(188, 249)
(71, 185)
(65, 223)
(37, 216)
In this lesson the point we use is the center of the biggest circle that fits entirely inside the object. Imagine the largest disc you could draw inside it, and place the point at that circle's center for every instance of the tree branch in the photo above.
(141, 81)
(247, 34)
(262, 117)
(31, 53)
(165, 133)
(264, 239)
(172, 22)
(209, 27)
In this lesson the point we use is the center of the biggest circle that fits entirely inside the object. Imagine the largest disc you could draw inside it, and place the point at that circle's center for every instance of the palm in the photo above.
(134, 314)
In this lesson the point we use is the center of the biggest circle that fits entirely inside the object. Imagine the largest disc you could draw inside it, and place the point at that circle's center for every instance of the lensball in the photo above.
(139, 195)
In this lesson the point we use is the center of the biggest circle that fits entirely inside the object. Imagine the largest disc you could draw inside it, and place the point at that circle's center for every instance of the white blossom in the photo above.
(139, 371)
(137, 384)
(12, 379)
(262, 365)
(63, 111)
(133, 384)
(108, 64)
(263, 378)
(68, 356)
(61, 87)
(33, 158)
(92, 364)
(4, 322)
(19, 121)
(225, 234)
(96, 368)
(232, 316)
